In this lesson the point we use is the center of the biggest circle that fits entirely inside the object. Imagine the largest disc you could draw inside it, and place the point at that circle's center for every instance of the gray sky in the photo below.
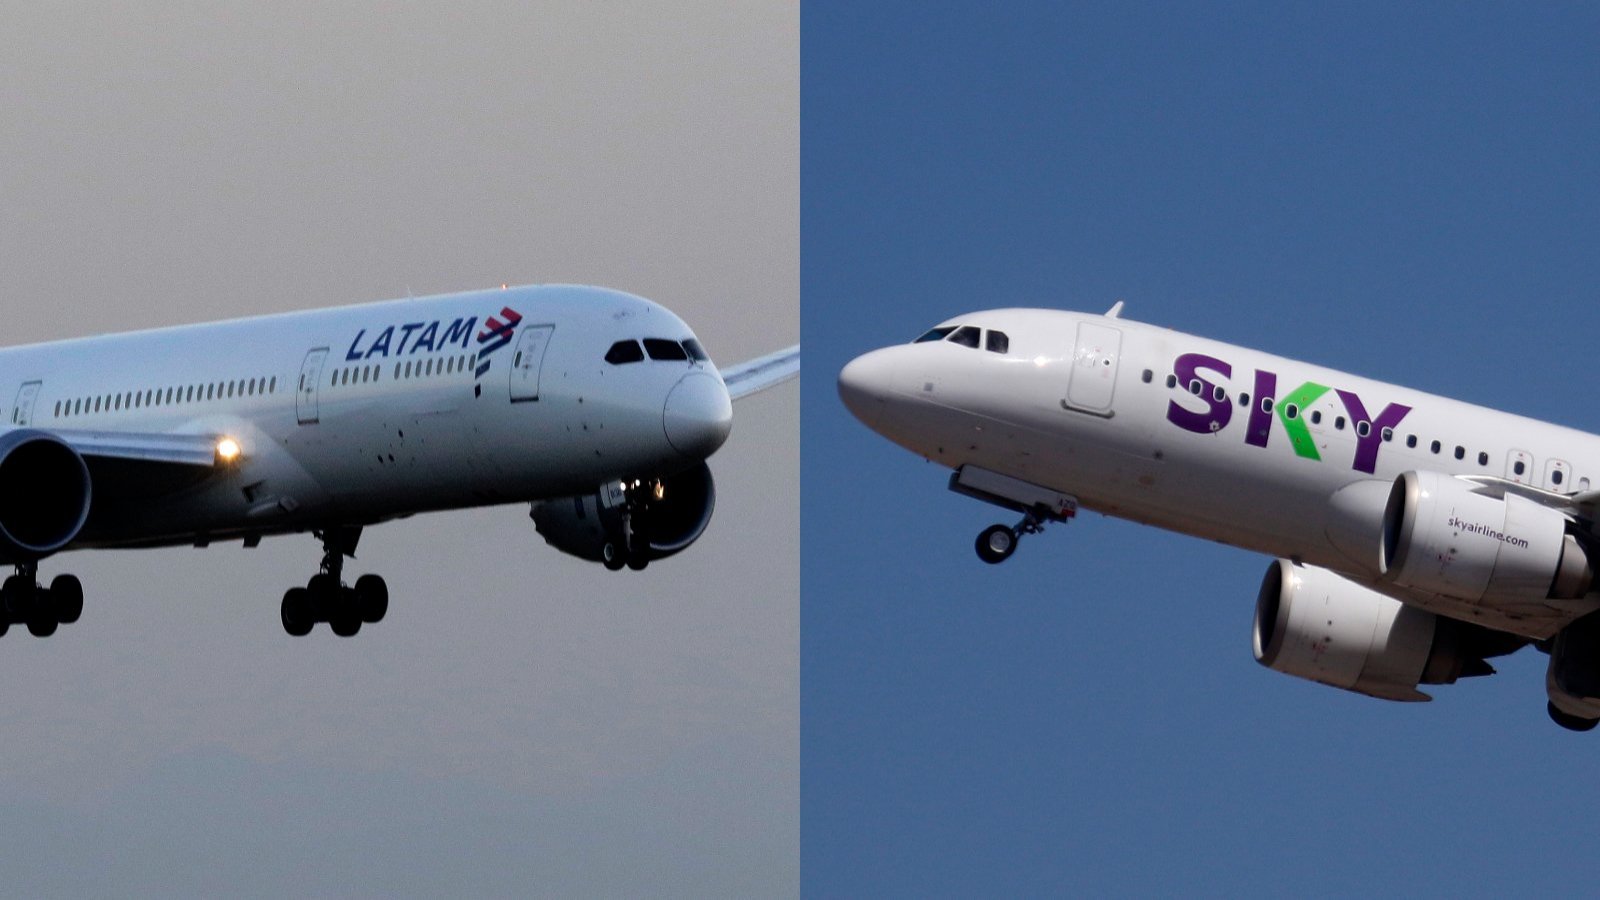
(521, 720)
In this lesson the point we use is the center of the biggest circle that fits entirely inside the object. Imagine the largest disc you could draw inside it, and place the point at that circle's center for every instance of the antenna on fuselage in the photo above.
(1115, 312)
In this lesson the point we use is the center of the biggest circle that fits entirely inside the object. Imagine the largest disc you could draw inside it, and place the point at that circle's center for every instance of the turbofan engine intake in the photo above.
(44, 495)
(630, 522)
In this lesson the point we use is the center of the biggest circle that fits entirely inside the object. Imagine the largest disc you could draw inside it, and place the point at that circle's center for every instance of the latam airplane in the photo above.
(1416, 537)
(598, 407)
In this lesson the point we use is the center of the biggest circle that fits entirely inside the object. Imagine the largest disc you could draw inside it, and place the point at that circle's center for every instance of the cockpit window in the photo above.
(936, 334)
(966, 336)
(997, 342)
(623, 352)
(696, 352)
(660, 348)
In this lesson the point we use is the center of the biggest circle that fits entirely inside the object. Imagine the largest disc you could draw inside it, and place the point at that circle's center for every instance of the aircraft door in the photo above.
(305, 403)
(525, 363)
(1519, 467)
(23, 413)
(1556, 475)
(1093, 378)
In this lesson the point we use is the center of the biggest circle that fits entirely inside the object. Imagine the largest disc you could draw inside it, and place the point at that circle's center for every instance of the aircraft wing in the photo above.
(178, 449)
(762, 372)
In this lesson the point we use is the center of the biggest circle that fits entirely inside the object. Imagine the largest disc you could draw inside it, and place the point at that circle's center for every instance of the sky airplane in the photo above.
(598, 407)
(1416, 537)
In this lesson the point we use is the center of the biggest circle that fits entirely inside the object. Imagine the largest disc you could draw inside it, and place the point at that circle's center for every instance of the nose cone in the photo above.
(865, 383)
(698, 415)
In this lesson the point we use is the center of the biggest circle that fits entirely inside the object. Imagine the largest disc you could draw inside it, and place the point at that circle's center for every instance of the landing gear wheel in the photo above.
(16, 596)
(66, 594)
(296, 612)
(996, 544)
(612, 557)
(43, 624)
(1570, 721)
(372, 598)
(345, 615)
(637, 561)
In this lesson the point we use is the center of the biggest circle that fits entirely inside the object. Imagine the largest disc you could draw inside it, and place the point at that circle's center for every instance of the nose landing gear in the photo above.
(1038, 504)
(997, 542)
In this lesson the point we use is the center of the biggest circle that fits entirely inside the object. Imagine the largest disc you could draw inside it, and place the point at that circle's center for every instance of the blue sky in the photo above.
(1410, 194)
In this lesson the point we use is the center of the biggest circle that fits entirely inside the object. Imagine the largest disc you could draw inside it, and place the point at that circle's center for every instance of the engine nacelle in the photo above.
(1315, 624)
(44, 495)
(631, 522)
(1442, 537)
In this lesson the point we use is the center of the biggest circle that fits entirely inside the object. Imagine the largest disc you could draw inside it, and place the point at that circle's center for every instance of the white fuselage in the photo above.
(1170, 429)
(358, 414)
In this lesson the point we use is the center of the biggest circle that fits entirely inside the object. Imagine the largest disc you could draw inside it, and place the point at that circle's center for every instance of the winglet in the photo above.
(1115, 312)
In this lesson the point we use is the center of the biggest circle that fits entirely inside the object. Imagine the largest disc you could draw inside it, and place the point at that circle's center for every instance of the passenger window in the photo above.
(1388, 434)
(1218, 394)
(1244, 399)
(1291, 411)
(1172, 381)
(1519, 467)
(624, 352)
(1316, 417)
(998, 342)
(1461, 452)
(936, 334)
(1434, 446)
(1556, 477)
(1338, 422)
(1483, 459)
(696, 352)
(1411, 441)
(1266, 404)
(1148, 376)
(966, 336)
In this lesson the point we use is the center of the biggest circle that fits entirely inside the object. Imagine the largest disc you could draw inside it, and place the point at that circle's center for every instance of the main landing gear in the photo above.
(1570, 721)
(23, 601)
(997, 542)
(326, 598)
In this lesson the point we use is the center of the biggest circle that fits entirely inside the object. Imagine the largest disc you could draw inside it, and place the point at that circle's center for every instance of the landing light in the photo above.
(228, 450)
(660, 490)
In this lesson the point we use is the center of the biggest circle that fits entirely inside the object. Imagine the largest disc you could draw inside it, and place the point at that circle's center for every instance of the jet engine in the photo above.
(1318, 625)
(44, 495)
(1442, 537)
(632, 522)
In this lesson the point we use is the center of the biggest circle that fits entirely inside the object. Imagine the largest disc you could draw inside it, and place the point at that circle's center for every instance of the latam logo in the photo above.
(1191, 371)
(495, 335)
(412, 338)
